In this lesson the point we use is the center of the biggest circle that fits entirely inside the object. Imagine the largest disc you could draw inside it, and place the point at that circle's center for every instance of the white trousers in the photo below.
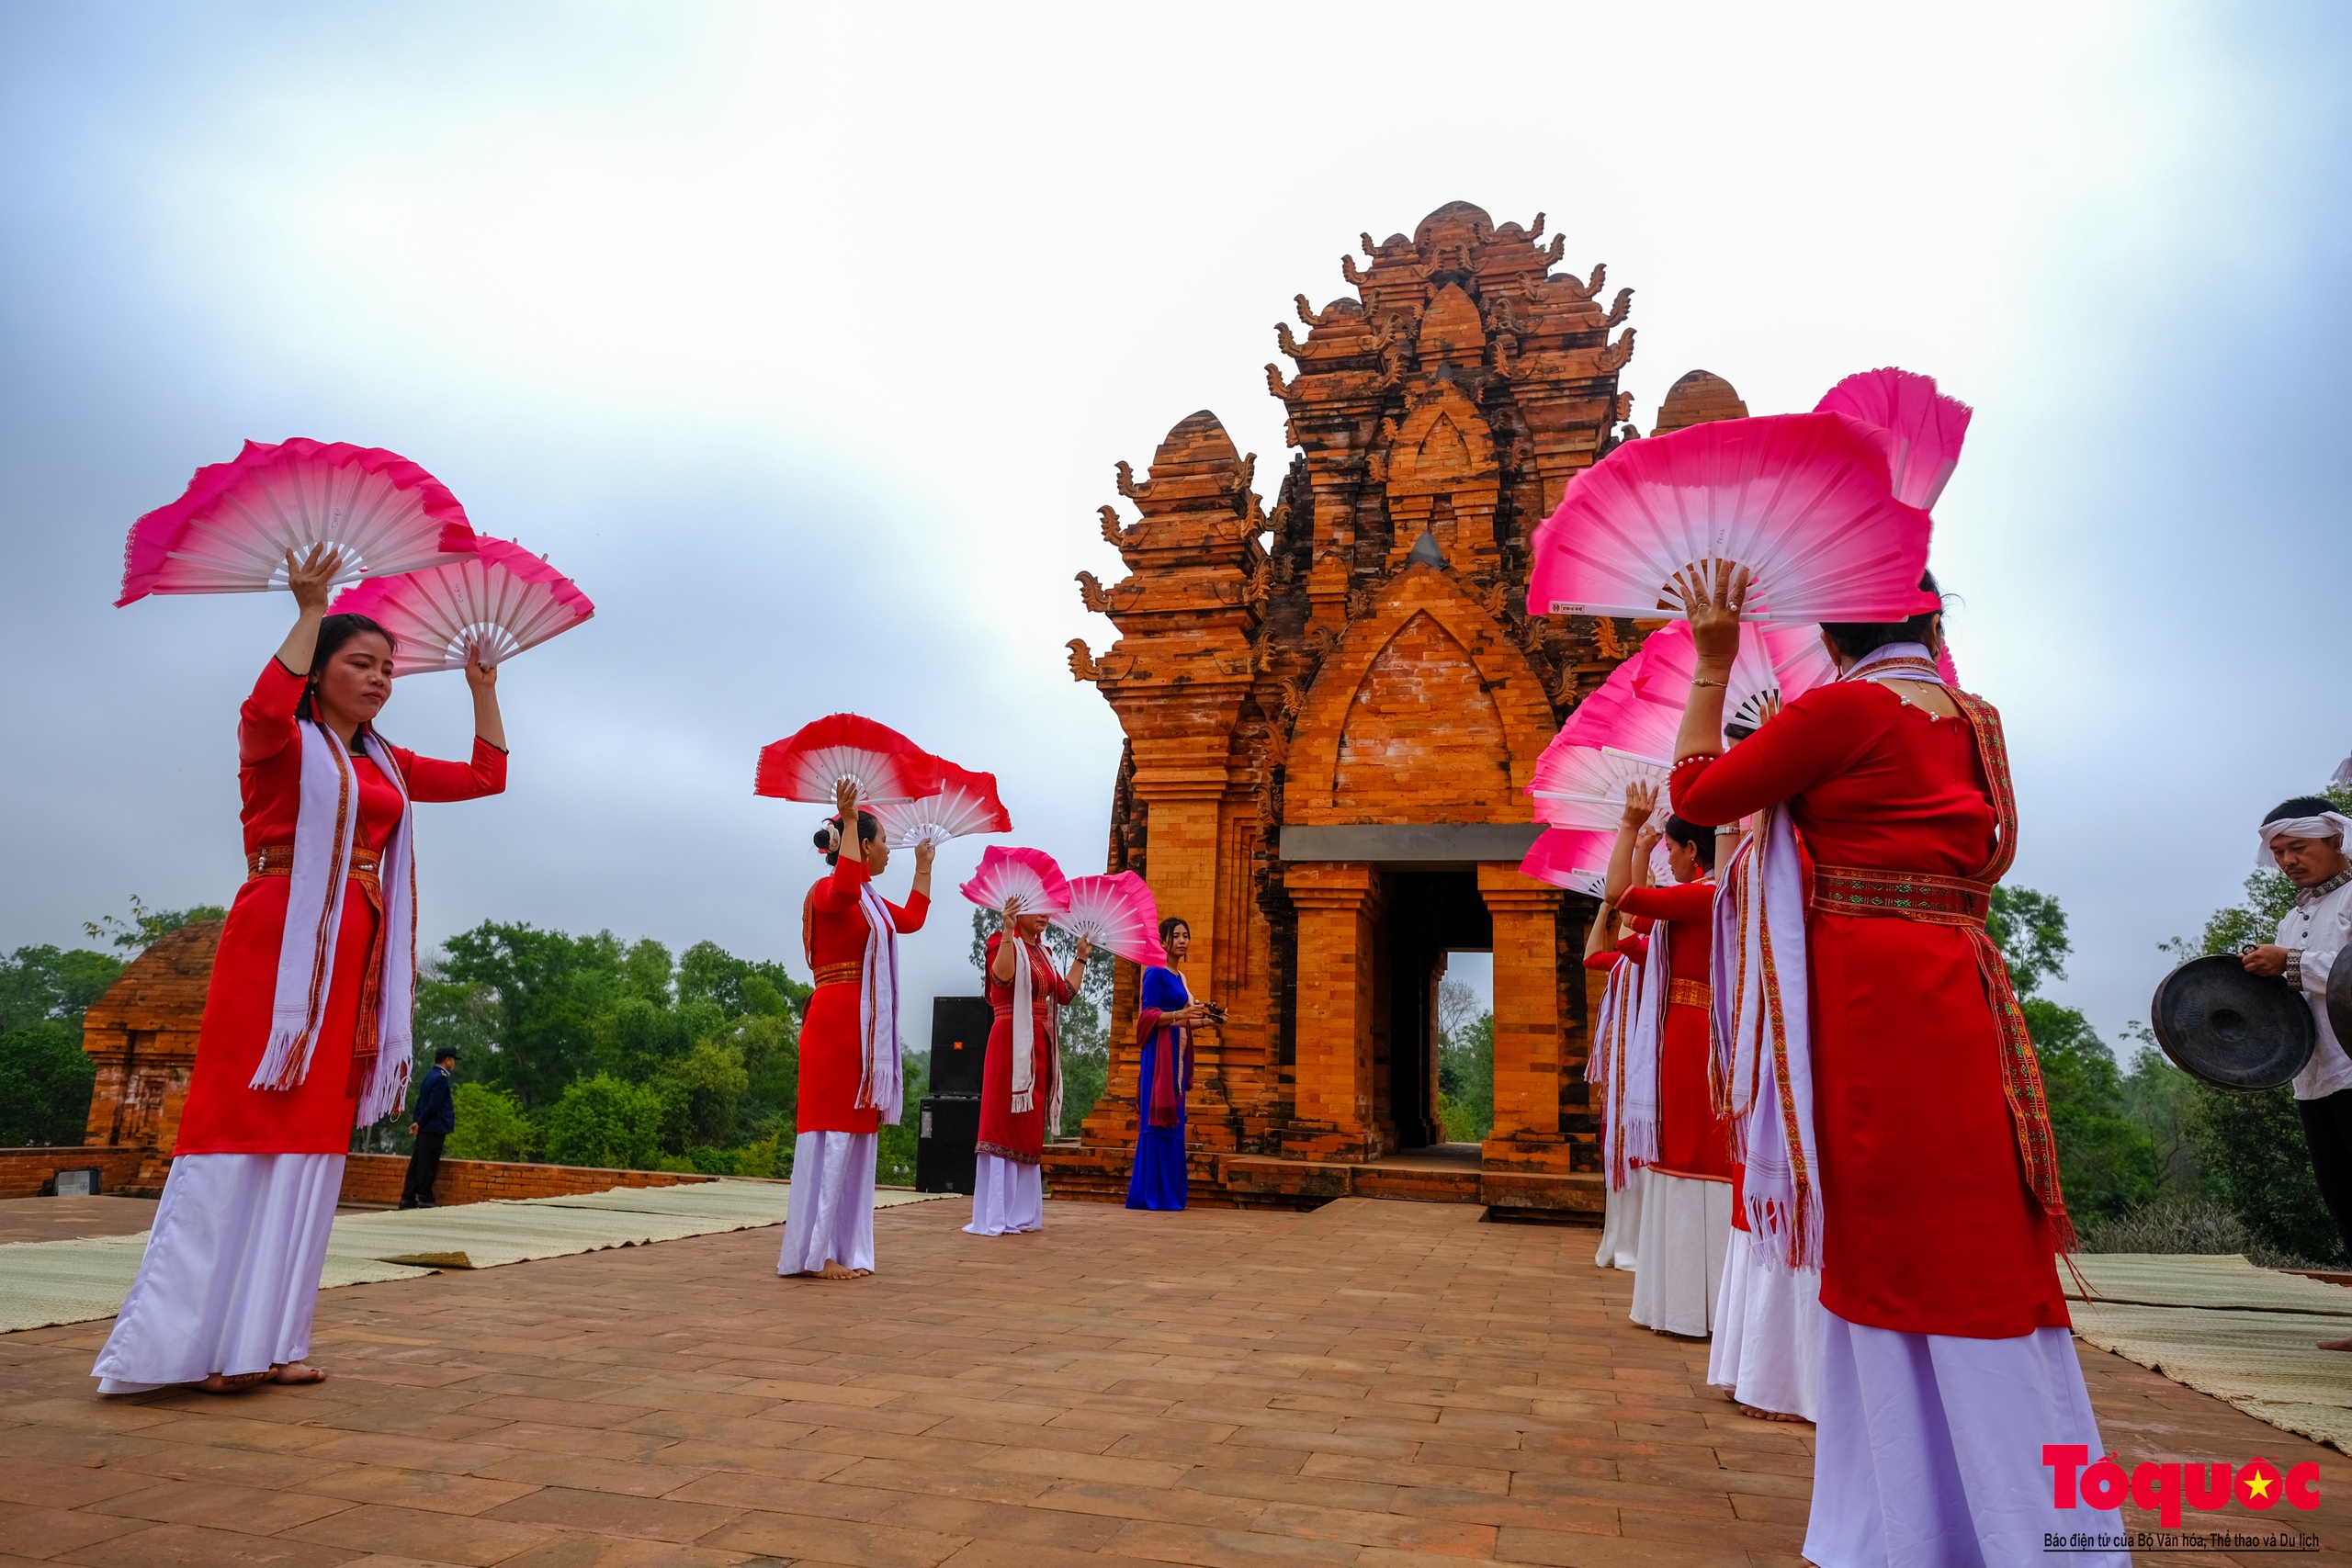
(1007, 1196)
(1621, 1225)
(1686, 1224)
(1768, 1334)
(231, 1274)
(829, 1213)
(1929, 1450)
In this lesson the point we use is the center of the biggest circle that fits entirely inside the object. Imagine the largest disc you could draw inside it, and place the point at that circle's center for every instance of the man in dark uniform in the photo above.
(436, 1117)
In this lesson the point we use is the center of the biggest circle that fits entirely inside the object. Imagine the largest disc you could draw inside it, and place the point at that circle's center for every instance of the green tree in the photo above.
(491, 1125)
(548, 990)
(1466, 1073)
(2106, 1161)
(603, 1121)
(146, 926)
(45, 1078)
(45, 1081)
(44, 985)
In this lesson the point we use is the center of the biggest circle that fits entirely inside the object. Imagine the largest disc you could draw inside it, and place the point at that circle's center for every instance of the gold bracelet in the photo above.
(1703, 680)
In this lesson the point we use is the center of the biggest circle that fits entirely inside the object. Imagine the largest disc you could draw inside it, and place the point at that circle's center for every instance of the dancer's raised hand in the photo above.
(1641, 801)
(312, 577)
(1713, 594)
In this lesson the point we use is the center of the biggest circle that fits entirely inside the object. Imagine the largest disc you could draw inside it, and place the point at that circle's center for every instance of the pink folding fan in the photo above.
(965, 802)
(812, 763)
(230, 532)
(1584, 786)
(502, 599)
(1564, 857)
(1919, 428)
(1029, 875)
(1802, 500)
(1116, 912)
(1783, 660)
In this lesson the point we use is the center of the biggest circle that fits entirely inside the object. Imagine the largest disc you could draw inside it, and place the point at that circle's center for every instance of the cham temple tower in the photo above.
(1333, 709)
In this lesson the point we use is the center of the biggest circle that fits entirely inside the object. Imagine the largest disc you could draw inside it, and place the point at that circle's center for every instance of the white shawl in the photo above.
(326, 822)
(1644, 1032)
(881, 1083)
(1767, 1052)
(1024, 1066)
(1606, 1067)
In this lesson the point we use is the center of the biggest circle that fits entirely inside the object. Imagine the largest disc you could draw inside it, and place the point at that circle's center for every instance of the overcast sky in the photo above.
(805, 339)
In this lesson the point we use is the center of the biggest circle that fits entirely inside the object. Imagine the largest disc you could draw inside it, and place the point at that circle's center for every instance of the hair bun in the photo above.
(828, 839)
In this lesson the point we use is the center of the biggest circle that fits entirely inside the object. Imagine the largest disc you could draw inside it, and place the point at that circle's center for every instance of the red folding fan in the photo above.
(1920, 429)
(1803, 500)
(1116, 912)
(1029, 875)
(965, 802)
(810, 764)
(231, 530)
(500, 600)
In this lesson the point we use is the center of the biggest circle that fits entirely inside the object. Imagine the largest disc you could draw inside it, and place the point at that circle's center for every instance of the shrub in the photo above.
(491, 1125)
(2191, 1226)
(601, 1120)
(2253, 1147)
(766, 1158)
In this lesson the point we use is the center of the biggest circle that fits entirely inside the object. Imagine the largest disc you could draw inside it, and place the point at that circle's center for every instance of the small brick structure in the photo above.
(1333, 710)
(377, 1178)
(141, 1034)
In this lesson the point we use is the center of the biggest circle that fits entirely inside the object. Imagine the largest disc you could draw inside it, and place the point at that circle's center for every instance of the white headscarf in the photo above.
(2326, 825)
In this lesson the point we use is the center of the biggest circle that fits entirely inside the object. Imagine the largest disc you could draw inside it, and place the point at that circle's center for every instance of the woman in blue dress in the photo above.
(1164, 1021)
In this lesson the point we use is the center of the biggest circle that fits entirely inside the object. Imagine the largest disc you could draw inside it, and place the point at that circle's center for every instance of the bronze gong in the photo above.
(2233, 1029)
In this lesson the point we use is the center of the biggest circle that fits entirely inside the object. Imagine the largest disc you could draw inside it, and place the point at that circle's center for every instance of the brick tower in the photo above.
(1333, 710)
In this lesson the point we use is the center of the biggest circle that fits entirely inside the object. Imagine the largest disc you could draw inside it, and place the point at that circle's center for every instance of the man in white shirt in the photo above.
(2304, 837)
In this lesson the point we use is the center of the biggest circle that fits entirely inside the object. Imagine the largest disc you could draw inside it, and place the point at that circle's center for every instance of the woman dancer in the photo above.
(1164, 1025)
(1021, 1082)
(1685, 1192)
(306, 1021)
(850, 1082)
(1918, 1167)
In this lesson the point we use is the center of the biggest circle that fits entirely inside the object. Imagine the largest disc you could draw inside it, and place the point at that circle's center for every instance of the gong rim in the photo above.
(2235, 1030)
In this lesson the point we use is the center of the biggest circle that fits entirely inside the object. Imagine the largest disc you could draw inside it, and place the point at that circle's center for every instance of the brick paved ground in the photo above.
(1378, 1385)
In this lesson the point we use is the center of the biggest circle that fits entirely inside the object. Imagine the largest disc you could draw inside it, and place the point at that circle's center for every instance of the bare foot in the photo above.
(832, 1271)
(296, 1372)
(1754, 1414)
(219, 1382)
(2335, 1344)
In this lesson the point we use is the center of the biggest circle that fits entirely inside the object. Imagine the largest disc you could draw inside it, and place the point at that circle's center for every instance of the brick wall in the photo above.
(376, 1179)
(1422, 734)
(24, 1171)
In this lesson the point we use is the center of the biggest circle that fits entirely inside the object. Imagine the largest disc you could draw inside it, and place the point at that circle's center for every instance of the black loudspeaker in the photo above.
(959, 1044)
(946, 1138)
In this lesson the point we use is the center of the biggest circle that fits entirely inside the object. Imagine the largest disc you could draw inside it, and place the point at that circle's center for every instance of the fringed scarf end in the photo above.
(286, 1060)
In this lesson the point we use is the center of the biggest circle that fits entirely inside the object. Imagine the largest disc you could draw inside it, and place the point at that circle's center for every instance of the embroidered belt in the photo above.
(1689, 994)
(850, 974)
(1909, 895)
(277, 860)
(1036, 1009)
